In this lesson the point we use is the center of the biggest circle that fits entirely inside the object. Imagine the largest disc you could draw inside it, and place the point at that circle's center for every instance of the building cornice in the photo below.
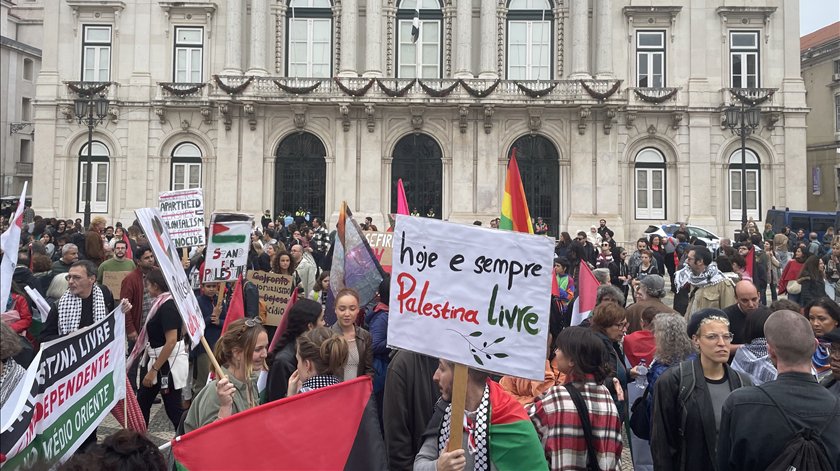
(11, 43)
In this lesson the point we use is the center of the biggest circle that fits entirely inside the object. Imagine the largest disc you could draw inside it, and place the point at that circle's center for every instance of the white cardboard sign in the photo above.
(170, 263)
(183, 213)
(227, 252)
(475, 296)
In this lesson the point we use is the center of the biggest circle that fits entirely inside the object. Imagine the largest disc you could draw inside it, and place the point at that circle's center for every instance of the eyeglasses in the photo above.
(621, 325)
(74, 277)
(727, 337)
(581, 238)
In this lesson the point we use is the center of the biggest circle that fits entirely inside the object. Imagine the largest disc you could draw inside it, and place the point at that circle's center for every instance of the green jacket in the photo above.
(205, 406)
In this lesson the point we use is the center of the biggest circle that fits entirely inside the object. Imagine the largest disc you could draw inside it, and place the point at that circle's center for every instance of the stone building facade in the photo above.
(821, 73)
(615, 110)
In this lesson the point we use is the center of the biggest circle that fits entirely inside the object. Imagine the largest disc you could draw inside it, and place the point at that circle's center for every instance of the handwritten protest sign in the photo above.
(474, 296)
(227, 252)
(381, 243)
(183, 213)
(275, 290)
(70, 386)
(170, 263)
(113, 280)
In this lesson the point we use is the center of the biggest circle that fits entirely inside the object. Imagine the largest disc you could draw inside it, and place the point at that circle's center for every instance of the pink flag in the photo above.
(587, 293)
(284, 321)
(402, 202)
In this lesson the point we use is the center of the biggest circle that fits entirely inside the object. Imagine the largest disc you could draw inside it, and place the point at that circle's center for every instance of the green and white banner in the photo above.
(69, 388)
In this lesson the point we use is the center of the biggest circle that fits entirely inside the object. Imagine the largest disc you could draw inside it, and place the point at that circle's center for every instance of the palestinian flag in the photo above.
(513, 443)
(515, 215)
(587, 294)
(288, 433)
(218, 235)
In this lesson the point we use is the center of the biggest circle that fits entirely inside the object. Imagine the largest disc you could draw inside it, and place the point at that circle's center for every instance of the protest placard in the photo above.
(227, 251)
(474, 296)
(275, 290)
(170, 263)
(113, 280)
(183, 213)
(381, 243)
(71, 385)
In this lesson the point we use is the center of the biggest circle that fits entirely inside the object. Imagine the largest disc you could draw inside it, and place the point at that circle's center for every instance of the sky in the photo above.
(816, 14)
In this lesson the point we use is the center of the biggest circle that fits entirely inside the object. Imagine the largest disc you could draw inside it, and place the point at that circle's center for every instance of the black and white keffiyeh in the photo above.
(318, 382)
(70, 310)
(9, 379)
(477, 430)
(710, 277)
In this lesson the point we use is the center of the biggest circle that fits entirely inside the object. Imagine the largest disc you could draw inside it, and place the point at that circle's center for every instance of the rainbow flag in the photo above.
(515, 215)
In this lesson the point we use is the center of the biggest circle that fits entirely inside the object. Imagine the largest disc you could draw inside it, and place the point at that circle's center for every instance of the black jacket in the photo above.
(410, 397)
(694, 448)
(50, 330)
(753, 431)
(284, 365)
(812, 290)
(619, 268)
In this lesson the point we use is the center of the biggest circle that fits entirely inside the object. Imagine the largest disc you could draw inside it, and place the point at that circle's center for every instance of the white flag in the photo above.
(9, 242)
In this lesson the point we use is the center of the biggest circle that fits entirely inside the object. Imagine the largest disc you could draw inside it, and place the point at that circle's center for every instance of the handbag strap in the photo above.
(583, 412)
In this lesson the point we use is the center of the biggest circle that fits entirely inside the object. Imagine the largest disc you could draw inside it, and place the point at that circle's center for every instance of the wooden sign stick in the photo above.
(184, 254)
(459, 399)
(219, 373)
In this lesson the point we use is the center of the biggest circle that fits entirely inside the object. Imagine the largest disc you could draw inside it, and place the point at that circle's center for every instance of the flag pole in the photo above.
(459, 399)
(218, 368)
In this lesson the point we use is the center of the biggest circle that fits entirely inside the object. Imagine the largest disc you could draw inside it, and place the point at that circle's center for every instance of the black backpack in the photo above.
(804, 450)
(639, 420)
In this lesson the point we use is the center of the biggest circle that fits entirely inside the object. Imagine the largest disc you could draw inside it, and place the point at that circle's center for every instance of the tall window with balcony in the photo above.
(650, 184)
(744, 59)
(650, 59)
(310, 27)
(186, 167)
(753, 185)
(96, 53)
(100, 164)
(421, 58)
(189, 47)
(529, 26)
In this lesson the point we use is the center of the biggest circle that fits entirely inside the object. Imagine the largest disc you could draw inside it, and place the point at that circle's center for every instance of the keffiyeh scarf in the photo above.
(476, 429)
(12, 375)
(318, 382)
(70, 310)
(710, 277)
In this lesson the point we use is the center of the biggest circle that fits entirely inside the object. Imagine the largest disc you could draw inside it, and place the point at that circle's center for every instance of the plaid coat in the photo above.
(557, 422)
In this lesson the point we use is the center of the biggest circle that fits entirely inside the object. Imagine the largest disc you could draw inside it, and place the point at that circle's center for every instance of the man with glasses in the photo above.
(589, 250)
(757, 424)
(118, 263)
(709, 288)
(688, 399)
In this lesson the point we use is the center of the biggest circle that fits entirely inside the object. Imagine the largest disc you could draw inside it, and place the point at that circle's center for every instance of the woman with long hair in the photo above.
(657, 246)
(165, 363)
(283, 264)
(563, 244)
(812, 279)
(321, 288)
(824, 316)
(304, 316)
(791, 273)
(267, 257)
(47, 239)
(360, 361)
(773, 267)
(579, 354)
(241, 353)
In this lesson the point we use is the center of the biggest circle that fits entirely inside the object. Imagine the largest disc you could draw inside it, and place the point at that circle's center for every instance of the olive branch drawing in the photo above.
(475, 349)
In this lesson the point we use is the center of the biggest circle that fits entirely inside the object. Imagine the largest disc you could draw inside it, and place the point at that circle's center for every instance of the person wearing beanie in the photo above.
(688, 399)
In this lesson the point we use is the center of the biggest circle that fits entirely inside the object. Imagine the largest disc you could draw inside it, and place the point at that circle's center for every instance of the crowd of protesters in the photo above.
(720, 380)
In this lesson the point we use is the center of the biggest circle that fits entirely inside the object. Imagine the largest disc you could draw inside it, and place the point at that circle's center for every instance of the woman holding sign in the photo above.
(360, 361)
(242, 351)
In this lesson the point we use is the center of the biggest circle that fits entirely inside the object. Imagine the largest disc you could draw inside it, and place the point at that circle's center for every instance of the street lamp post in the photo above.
(90, 111)
(742, 122)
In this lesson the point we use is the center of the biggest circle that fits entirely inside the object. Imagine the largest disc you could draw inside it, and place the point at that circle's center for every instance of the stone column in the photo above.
(141, 78)
(349, 20)
(603, 34)
(233, 40)
(580, 39)
(373, 39)
(259, 18)
(487, 62)
(464, 25)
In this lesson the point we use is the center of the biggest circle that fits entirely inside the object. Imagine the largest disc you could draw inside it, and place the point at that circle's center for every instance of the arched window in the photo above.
(753, 185)
(650, 184)
(539, 167)
(99, 189)
(529, 26)
(417, 160)
(310, 32)
(420, 46)
(300, 175)
(186, 167)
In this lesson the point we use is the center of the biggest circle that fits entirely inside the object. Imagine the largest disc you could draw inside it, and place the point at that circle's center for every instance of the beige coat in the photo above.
(718, 296)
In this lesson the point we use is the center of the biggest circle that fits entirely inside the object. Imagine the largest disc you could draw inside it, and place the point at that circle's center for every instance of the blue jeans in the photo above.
(797, 298)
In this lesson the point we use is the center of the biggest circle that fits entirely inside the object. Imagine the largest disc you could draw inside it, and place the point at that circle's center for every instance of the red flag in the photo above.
(284, 321)
(286, 429)
(129, 254)
(750, 260)
(555, 288)
(236, 309)
(587, 294)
